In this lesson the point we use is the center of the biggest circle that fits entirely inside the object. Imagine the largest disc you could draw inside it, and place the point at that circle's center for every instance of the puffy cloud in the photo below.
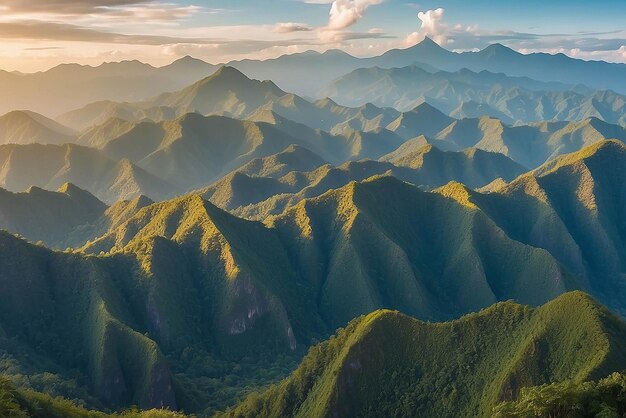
(345, 13)
(288, 27)
(432, 25)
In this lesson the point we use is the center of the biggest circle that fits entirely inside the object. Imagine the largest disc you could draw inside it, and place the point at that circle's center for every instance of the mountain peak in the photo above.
(602, 153)
(227, 72)
(426, 108)
(187, 62)
(427, 44)
(499, 50)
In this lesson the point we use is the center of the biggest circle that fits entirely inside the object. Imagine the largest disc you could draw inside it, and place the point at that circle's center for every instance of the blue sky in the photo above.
(36, 35)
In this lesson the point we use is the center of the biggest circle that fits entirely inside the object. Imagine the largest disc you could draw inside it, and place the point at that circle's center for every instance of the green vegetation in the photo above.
(569, 399)
(388, 364)
(18, 403)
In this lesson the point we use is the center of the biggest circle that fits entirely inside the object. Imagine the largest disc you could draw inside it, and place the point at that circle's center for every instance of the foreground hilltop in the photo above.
(389, 364)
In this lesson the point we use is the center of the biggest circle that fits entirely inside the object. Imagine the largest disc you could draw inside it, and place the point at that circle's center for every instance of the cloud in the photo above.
(67, 6)
(289, 27)
(101, 12)
(49, 31)
(432, 25)
(345, 13)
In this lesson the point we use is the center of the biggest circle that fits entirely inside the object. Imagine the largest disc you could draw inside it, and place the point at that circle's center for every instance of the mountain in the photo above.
(355, 132)
(69, 86)
(389, 364)
(529, 145)
(183, 292)
(288, 70)
(472, 167)
(422, 120)
(572, 208)
(99, 135)
(252, 196)
(93, 115)
(193, 150)
(74, 320)
(50, 166)
(466, 93)
(24, 127)
(320, 70)
(292, 158)
(24, 403)
(229, 92)
(41, 215)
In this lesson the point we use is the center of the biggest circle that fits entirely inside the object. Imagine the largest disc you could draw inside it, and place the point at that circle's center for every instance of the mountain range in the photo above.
(69, 86)
(468, 94)
(182, 280)
(51, 166)
(420, 233)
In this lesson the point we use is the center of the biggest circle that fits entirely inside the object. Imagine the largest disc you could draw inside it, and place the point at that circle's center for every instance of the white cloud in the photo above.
(345, 13)
(288, 27)
(432, 25)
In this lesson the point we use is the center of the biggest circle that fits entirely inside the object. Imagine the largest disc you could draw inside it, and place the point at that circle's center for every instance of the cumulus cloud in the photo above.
(432, 25)
(345, 13)
(288, 27)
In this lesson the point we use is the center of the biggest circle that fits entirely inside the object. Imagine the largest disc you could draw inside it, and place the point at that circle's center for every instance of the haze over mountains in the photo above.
(304, 73)
(468, 94)
(181, 237)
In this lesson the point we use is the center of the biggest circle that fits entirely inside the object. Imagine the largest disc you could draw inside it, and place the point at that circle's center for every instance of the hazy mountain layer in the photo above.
(229, 92)
(468, 94)
(51, 166)
(194, 150)
(289, 71)
(24, 127)
(529, 145)
(359, 132)
(68, 86)
(71, 86)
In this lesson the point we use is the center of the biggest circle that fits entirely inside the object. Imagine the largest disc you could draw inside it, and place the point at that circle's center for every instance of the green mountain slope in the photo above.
(292, 158)
(65, 309)
(193, 150)
(572, 207)
(253, 196)
(49, 216)
(529, 145)
(604, 397)
(182, 292)
(388, 364)
(50, 166)
(24, 127)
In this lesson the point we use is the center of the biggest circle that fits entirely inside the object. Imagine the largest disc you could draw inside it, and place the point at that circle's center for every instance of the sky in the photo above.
(38, 34)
